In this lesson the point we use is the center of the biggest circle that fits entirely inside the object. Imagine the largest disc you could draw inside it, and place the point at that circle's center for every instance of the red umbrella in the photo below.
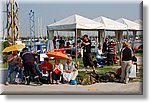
(58, 55)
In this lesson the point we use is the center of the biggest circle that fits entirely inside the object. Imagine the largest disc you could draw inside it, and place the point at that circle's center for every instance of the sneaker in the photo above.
(27, 81)
(7, 83)
(65, 82)
(57, 82)
(121, 81)
(127, 81)
(37, 81)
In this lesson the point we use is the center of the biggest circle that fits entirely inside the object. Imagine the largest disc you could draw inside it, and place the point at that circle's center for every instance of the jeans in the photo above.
(13, 69)
(100, 61)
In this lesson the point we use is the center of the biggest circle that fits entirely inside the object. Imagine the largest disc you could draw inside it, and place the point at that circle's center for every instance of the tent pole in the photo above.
(127, 35)
(76, 43)
(104, 35)
(134, 36)
(99, 36)
(117, 39)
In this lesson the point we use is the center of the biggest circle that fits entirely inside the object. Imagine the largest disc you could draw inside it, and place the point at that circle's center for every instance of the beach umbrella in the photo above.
(14, 48)
(58, 55)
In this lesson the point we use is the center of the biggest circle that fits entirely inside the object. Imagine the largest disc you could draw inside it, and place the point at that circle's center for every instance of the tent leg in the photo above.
(127, 35)
(134, 36)
(103, 33)
(76, 44)
(116, 34)
(120, 37)
(99, 36)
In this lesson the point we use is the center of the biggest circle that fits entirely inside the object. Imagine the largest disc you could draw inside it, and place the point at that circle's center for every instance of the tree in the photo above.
(5, 44)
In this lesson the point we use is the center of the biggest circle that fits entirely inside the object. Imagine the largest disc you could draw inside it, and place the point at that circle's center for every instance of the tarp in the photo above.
(75, 22)
(130, 24)
(110, 24)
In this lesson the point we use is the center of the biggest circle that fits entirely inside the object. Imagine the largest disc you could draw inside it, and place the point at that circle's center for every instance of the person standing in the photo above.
(110, 55)
(126, 62)
(20, 70)
(61, 43)
(29, 66)
(87, 59)
(105, 49)
(106, 44)
(68, 48)
(12, 66)
(54, 42)
(113, 44)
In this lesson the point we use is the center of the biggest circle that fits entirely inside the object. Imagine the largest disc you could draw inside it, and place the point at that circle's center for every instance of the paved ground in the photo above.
(99, 88)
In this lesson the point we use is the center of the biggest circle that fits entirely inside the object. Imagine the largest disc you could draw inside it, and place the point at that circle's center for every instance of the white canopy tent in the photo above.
(74, 23)
(131, 26)
(111, 25)
(139, 21)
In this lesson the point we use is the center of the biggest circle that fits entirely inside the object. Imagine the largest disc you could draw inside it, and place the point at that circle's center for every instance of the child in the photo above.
(19, 74)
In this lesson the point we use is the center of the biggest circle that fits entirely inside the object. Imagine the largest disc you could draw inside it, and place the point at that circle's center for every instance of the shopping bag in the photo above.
(132, 73)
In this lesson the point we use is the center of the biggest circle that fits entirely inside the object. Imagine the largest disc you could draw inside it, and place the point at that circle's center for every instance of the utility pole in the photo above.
(32, 28)
(13, 30)
(3, 31)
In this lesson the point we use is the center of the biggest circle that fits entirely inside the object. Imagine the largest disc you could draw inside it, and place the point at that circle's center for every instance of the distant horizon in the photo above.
(50, 12)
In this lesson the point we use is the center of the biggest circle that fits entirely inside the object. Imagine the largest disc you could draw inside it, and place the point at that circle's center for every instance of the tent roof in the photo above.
(74, 22)
(130, 24)
(139, 21)
(110, 24)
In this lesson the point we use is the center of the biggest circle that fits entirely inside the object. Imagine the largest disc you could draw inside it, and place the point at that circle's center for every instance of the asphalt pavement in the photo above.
(98, 88)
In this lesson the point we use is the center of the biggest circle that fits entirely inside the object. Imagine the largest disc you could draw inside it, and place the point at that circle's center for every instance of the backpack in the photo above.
(88, 79)
(110, 77)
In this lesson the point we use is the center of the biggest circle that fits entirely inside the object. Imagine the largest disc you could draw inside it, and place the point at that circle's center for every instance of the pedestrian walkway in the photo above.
(99, 88)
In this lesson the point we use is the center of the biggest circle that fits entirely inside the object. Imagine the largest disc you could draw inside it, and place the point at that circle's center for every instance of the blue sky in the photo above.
(49, 12)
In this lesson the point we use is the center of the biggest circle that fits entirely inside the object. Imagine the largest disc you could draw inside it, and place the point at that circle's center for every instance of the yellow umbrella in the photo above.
(14, 48)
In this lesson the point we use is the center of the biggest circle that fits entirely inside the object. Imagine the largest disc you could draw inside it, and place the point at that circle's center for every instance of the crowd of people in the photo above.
(28, 69)
(105, 54)
(108, 50)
